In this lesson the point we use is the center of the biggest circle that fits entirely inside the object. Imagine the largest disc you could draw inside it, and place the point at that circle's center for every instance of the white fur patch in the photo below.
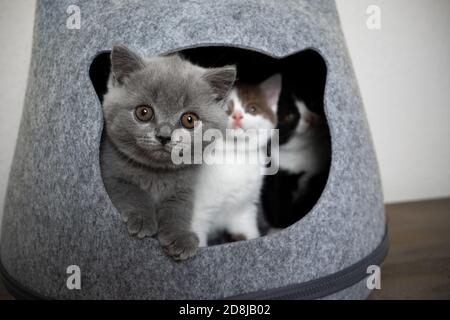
(227, 195)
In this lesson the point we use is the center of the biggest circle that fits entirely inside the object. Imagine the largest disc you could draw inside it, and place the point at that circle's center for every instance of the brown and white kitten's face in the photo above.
(254, 106)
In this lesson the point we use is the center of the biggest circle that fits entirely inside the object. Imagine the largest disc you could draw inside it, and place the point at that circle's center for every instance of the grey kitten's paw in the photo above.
(140, 224)
(180, 246)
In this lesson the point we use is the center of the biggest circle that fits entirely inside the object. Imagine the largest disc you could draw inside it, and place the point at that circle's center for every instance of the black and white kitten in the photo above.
(304, 158)
(307, 150)
(147, 100)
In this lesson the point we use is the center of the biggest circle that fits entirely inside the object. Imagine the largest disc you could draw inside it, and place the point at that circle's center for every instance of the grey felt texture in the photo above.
(358, 291)
(57, 212)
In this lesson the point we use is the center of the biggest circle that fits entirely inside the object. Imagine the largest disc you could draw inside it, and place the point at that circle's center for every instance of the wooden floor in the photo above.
(3, 293)
(418, 263)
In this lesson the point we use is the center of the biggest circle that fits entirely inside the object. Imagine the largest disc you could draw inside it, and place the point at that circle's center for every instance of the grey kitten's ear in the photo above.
(124, 62)
(221, 80)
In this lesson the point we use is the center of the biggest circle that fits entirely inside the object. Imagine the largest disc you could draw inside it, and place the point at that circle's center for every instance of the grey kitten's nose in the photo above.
(163, 134)
(163, 139)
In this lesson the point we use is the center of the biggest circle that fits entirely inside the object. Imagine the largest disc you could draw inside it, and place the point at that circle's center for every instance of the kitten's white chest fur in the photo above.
(300, 154)
(225, 199)
(307, 151)
(227, 194)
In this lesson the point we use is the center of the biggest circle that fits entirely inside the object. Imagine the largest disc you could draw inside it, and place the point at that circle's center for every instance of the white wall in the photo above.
(403, 72)
(404, 76)
(16, 27)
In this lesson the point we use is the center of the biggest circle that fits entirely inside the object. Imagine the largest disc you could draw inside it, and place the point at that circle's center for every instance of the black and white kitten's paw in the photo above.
(140, 224)
(180, 246)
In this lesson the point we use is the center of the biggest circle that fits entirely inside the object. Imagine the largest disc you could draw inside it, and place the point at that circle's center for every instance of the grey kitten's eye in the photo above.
(144, 113)
(252, 108)
(188, 120)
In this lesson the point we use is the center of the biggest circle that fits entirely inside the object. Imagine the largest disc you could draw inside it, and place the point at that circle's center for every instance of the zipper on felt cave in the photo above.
(327, 285)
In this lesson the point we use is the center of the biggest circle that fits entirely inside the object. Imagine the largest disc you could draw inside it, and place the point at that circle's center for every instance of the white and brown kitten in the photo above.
(227, 194)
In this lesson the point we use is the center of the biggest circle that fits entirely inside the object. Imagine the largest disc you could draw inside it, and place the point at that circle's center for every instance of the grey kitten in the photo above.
(147, 99)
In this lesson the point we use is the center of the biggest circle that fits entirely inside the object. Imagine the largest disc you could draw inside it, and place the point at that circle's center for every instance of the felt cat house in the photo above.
(58, 221)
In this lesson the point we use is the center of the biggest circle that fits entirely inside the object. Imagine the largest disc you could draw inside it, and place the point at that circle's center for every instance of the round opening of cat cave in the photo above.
(242, 102)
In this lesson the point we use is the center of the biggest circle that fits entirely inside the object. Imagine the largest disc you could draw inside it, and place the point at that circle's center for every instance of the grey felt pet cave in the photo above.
(57, 212)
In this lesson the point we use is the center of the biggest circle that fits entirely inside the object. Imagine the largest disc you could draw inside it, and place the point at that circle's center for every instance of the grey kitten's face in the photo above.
(149, 98)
